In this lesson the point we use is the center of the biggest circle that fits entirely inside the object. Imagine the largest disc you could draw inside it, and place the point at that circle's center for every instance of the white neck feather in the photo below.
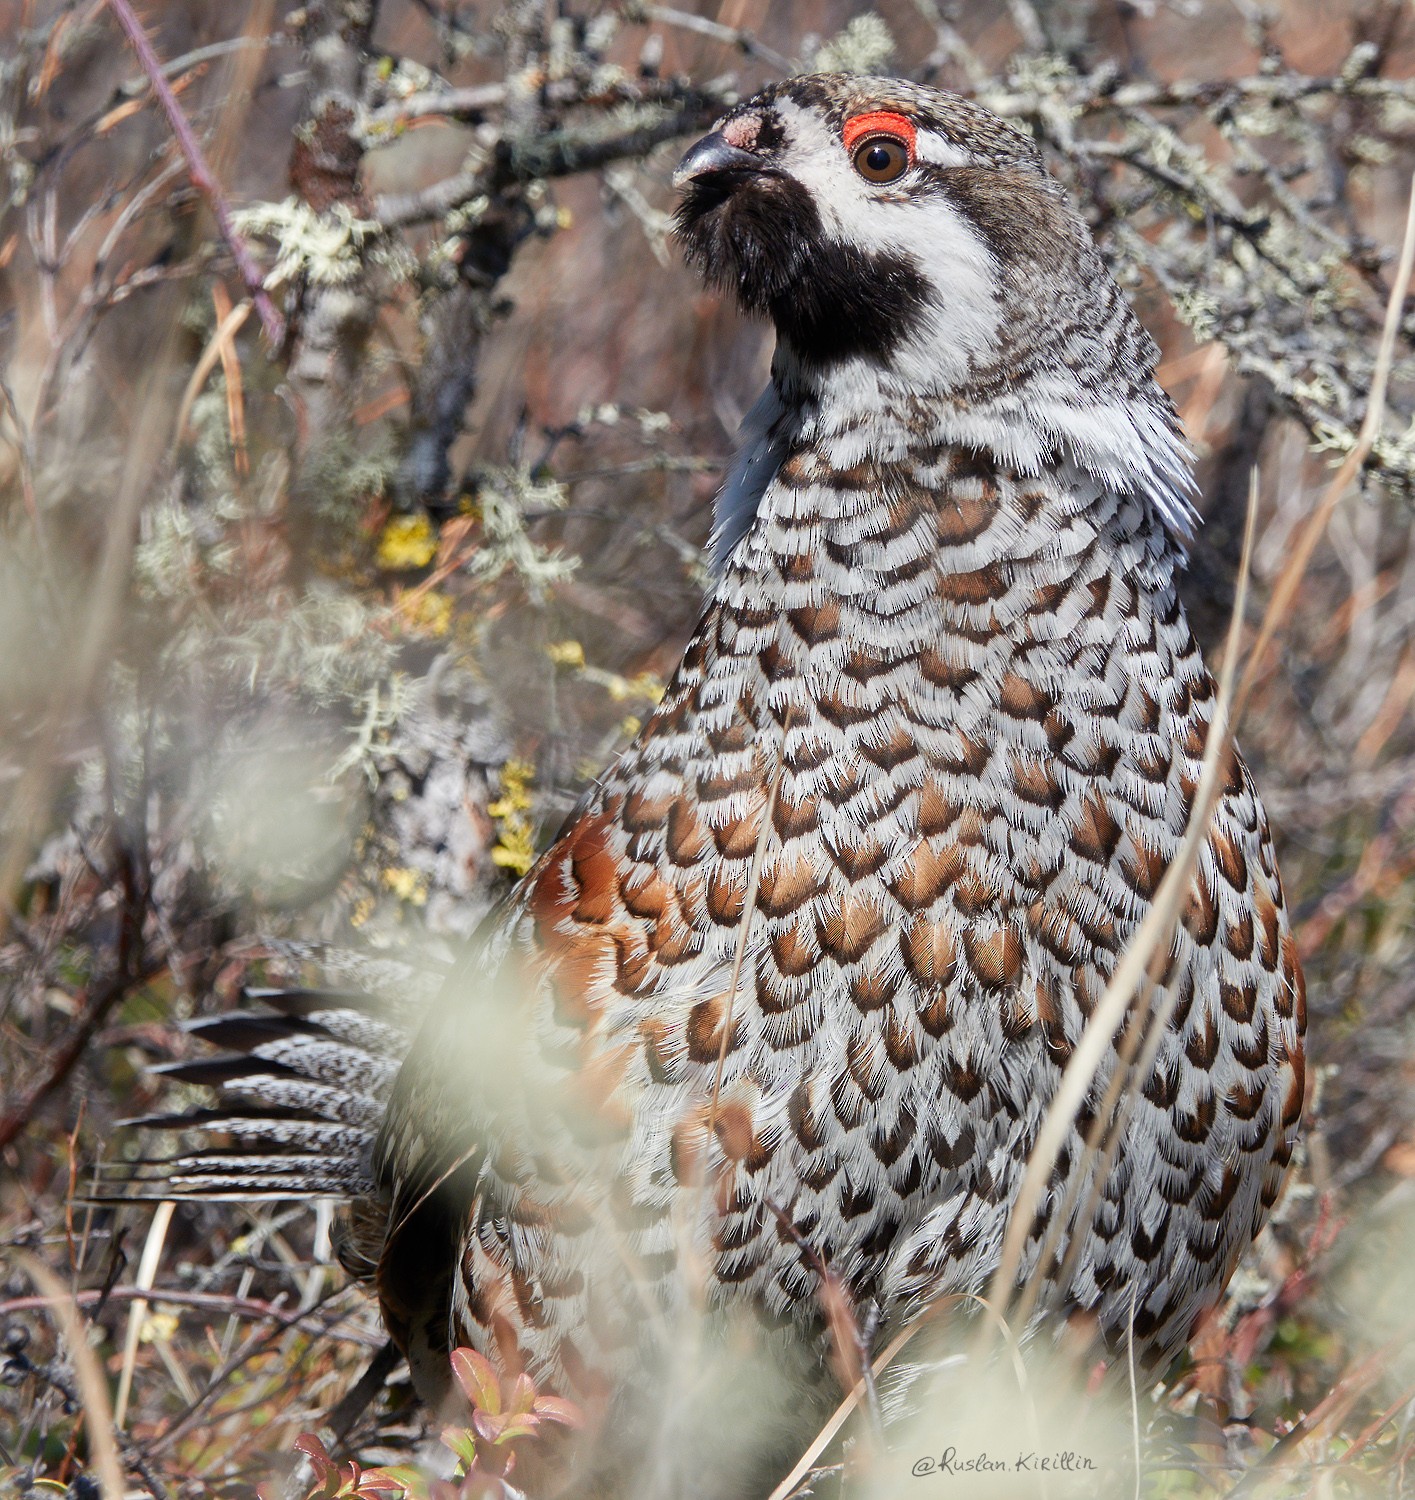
(864, 411)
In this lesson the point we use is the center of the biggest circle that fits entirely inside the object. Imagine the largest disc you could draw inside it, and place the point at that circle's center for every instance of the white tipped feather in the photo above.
(301, 1095)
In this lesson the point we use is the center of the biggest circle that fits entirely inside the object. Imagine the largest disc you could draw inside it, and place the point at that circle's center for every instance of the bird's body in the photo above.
(796, 983)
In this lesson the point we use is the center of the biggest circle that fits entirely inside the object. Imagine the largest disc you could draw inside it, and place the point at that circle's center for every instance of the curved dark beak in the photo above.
(713, 157)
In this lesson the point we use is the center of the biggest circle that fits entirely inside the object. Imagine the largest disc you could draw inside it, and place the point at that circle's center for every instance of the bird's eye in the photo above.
(881, 158)
(880, 143)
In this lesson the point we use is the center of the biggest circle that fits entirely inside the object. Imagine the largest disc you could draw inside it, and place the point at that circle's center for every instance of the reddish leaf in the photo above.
(556, 1409)
(523, 1395)
(477, 1377)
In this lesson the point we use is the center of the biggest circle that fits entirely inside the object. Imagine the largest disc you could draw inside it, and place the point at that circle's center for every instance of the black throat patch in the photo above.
(758, 234)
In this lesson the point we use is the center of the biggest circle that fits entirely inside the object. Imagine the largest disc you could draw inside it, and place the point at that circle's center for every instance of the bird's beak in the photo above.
(713, 156)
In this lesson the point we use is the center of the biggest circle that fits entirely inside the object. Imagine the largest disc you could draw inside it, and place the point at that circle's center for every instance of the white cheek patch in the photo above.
(962, 322)
(817, 160)
(964, 319)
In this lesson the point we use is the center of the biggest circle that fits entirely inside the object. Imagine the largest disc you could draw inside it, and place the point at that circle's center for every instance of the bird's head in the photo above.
(862, 213)
(911, 249)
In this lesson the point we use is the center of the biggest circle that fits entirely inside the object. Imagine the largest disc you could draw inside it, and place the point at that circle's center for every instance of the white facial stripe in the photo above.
(815, 156)
(963, 319)
(939, 152)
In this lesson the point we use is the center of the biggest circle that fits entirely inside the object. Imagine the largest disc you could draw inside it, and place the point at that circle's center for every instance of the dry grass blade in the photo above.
(137, 1313)
(838, 1417)
(235, 383)
(1112, 1119)
(853, 1397)
(1284, 591)
(98, 1415)
(216, 346)
(1152, 937)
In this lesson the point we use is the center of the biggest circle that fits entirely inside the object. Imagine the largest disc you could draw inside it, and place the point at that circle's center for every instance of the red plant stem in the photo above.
(201, 175)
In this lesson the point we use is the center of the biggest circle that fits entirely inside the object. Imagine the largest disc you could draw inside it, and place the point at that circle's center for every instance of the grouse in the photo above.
(785, 1001)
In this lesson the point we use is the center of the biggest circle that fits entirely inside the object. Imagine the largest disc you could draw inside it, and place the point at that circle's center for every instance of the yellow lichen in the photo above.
(427, 614)
(515, 847)
(566, 653)
(406, 542)
(645, 686)
(158, 1327)
(407, 885)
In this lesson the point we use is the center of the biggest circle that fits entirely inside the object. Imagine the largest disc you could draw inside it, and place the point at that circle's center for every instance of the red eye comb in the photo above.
(879, 122)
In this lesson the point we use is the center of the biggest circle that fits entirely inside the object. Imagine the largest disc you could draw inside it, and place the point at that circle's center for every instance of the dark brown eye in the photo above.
(881, 158)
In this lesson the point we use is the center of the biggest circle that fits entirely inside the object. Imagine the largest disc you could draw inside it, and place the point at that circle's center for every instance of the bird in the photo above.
(780, 1009)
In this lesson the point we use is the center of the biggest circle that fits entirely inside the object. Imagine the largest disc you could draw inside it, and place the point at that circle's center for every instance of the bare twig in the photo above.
(561, 156)
(200, 173)
(732, 36)
(477, 101)
(131, 968)
(220, 1304)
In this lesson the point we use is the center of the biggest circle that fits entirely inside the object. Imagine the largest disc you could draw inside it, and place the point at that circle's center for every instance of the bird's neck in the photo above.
(1040, 422)
(939, 535)
(870, 490)
(922, 603)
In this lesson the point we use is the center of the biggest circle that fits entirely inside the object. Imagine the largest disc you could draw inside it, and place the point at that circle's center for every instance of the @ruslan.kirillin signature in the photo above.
(951, 1461)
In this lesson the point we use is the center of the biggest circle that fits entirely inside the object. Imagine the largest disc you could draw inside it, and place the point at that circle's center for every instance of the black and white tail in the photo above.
(303, 1082)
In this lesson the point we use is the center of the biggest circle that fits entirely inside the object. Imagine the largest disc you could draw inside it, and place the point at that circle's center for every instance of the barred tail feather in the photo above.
(303, 1085)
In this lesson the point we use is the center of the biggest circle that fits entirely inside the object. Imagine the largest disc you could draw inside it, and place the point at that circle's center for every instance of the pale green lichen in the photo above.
(864, 46)
(382, 707)
(504, 496)
(326, 249)
(324, 640)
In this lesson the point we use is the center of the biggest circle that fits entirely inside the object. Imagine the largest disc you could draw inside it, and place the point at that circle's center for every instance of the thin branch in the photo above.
(218, 1303)
(557, 155)
(131, 969)
(733, 36)
(202, 177)
(475, 101)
